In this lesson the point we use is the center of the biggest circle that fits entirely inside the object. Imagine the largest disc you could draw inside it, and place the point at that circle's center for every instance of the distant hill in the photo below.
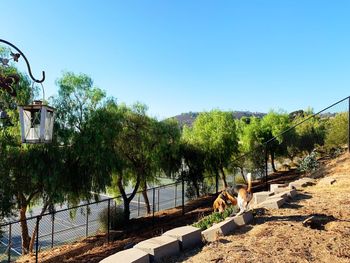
(189, 117)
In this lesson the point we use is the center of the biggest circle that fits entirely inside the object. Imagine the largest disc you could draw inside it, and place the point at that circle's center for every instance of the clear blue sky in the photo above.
(180, 56)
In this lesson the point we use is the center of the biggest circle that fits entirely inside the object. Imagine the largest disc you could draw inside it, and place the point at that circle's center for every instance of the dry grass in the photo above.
(280, 236)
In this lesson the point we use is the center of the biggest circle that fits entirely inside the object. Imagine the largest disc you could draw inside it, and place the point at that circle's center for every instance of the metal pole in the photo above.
(158, 197)
(183, 196)
(154, 202)
(109, 220)
(10, 243)
(266, 168)
(175, 194)
(349, 125)
(37, 239)
(87, 221)
(52, 228)
(138, 205)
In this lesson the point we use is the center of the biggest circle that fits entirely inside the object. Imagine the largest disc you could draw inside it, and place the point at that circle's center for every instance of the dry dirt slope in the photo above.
(280, 236)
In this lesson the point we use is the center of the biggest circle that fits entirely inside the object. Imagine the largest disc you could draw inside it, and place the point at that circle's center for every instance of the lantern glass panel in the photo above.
(36, 123)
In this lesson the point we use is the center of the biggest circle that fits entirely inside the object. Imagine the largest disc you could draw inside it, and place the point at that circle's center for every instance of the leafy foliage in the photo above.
(337, 131)
(309, 163)
(116, 217)
(215, 217)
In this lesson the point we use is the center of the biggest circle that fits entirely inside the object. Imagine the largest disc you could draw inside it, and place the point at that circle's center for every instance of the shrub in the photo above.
(116, 218)
(309, 163)
(215, 217)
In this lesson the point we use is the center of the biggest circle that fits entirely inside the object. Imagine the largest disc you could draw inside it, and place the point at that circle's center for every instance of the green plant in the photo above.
(215, 217)
(116, 219)
(309, 163)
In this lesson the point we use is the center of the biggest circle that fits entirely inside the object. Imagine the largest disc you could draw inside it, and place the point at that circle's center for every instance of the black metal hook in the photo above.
(26, 60)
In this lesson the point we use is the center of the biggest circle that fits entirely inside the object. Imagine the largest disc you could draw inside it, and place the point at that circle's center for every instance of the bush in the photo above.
(215, 217)
(309, 163)
(116, 218)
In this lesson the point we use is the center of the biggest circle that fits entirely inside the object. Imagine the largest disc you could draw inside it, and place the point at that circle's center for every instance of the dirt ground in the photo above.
(280, 235)
(274, 235)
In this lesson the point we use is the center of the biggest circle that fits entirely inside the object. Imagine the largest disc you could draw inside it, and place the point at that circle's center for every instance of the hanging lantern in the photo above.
(36, 123)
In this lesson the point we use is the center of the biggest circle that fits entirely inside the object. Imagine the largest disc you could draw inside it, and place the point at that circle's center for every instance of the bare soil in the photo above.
(274, 236)
(280, 235)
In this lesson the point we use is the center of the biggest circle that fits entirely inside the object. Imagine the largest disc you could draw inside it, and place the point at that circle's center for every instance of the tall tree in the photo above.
(215, 133)
(77, 99)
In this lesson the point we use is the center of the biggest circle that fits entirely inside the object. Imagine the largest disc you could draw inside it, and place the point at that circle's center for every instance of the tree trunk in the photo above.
(196, 187)
(273, 161)
(126, 211)
(24, 229)
(223, 177)
(35, 232)
(126, 199)
(145, 197)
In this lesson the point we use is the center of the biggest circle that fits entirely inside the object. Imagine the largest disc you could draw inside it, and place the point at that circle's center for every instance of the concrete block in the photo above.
(274, 186)
(159, 247)
(131, 255)
(188, 236)
(273, 203)
(243, 219)
(261, 196)
(281, 190)
(278, 196)
(223, 228)
(292, 193)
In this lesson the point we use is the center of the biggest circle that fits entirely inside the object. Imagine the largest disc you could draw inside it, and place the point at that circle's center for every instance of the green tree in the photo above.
(337, 130)
(214, 133)
(77, 99)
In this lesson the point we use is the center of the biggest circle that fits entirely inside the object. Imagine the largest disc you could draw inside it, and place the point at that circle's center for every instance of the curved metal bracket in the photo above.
(26, 60)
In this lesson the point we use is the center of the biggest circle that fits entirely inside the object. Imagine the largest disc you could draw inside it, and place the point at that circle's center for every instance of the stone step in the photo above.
(259, 197)
(188, 236)
(243, 219)
(275, 186)
(159, 247)
(272, 203)
(131, 255)
(223, 228)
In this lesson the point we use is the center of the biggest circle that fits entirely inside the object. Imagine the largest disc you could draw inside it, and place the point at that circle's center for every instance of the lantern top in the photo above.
(37, 105)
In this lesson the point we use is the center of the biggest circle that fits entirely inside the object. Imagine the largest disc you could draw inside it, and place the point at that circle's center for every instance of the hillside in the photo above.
(281, 236)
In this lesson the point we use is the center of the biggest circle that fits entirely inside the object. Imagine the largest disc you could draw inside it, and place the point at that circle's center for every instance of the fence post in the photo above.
(266, 168)
(158, 197)
(153, 203)
(10, 243)
(349, 125)
(175, 194)
(109, 219)
(87, 221)
(138, 205)
(37, 239)
(52, 228)
(183, 196)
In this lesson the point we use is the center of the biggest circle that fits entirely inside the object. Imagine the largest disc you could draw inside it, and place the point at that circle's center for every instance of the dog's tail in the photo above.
(249, 179)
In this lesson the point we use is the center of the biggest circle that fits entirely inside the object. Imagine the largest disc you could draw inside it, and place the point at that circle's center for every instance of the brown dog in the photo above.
(221, 202)
(243, 193)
